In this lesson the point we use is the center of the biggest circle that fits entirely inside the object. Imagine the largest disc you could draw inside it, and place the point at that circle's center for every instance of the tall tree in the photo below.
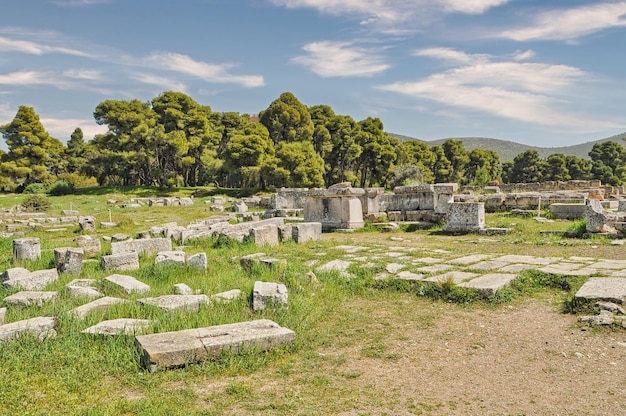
(420, 154)
(442, 168)
(608, 161)
(527, 167)
(249, 155)
(34, 155)
(378, 154)
(287, 120)
(578, 168)
(556, 169)
(483, 167)
(457, 155)
(75, 150)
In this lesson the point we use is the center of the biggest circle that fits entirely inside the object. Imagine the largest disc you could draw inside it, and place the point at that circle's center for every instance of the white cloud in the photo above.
(34, 48)
(63, 127)
(524, 55)
(25, 78)
(165, 84)
(84, 74)
(471, 6)
(528, 92)
(572, 23)
(451, 55)
(341, 59)
(209, 72)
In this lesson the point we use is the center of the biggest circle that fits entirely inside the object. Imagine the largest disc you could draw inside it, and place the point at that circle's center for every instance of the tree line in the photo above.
(172, 140)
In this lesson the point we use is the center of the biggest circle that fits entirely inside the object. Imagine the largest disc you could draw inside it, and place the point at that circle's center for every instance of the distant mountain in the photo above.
(508, 149)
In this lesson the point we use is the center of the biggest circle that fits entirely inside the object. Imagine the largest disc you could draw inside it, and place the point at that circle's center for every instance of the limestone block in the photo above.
(465, 217)
(240, 207)
(596, 217)
(170, 257)
(70, 261)
(26, 249)
(226, 296)
(182, 289)
(87, 224)
(611, 289)
(96, 305)
(3, 313)
(568, 211)
(285, 232)
(30, 298)
(40, 327)
(124, 261)
(148, 247)
(127, 283)
(36, 280)
(120, 326)
(307, 231)
(83, 292)
(266, 294)
(91, 246)
(489, 284)
(186, 202)
(265, 235)
(249, 260)
(178, 348)
(176, 302)
(198, 261)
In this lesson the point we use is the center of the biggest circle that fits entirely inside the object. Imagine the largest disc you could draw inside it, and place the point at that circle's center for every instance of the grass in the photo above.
(91, 375)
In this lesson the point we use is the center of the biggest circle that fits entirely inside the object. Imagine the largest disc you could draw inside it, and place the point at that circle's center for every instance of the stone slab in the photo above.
(515, 258)
(435, 268)
(456, 276)
(96, 305)
(338, 265)
(427, 260)
(488, 265)
(83, 292)
(3, 314)
(182, 289)
(127, 283)
(394, 268)
(612, 289)
(473, 258)
(517, 267)
(267, 294)
(36, 280)
(490, 283)
(30, 298)
(121, 326)
(608, 264)
(148, 247)
(179, 348)
(227, 296)
(407, 275)
(41, 327)
(176, 302)
(123, 261)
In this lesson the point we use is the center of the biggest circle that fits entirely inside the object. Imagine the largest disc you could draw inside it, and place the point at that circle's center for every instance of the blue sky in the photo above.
(544, 73)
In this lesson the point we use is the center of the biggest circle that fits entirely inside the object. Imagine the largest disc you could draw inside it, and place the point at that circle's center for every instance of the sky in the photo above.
(541, 73)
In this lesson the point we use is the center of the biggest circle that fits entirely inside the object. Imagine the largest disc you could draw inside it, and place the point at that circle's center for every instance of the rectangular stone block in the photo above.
(149, 247)
(189, 346)
(307, 231)
(124, 261)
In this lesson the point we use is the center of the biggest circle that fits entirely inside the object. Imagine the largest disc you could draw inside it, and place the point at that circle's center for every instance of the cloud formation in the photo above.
(341, 59)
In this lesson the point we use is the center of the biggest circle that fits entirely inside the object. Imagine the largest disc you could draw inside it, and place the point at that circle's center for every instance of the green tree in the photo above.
(556, 169)
(378, 153)
(407, 174)
(304, 166)
(250, 157)
(528, 167)
(483, 167)
(75, 150)
(442, 168)
(420, 154)
(34, 155)
(608, 162)
(457, 155)
(287, 120)
(579, 169)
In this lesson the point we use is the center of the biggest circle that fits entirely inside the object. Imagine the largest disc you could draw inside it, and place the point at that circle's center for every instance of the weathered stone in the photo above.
(186, 202)
(91, 246)
(604, 318)
(568, 211)
(394, 268)
(435, 268)
(41, 327)
(182, 289)
(465, 217)
(489, 284)
(307, 231)
(596, 218)
(226, 296)
(148, 247)
(611, 289)
(285, 232)
(176, 302)
(611, 307)
(70, 261)
(267, 294)
(455, 276)
(175, 349)
(265, 235)
(26, 249)
(198, 261)
(83, 292)
(170, 257)
(120, 326)
(87, 224)
(13, 274)
(472, 258)
(30, 298)
(336, 208)
(96, 305)
(407, 275)
(338, 265)
(119, 237)
(489, 265)
(240, 207)
(127, 283)
(3, 313)
(124, 261)
(83, 283)
(36, 280)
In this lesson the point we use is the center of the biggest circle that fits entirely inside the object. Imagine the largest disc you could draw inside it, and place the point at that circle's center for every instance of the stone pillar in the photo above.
(338, 207)
(370, 200)
(444, 196)
(26, 249)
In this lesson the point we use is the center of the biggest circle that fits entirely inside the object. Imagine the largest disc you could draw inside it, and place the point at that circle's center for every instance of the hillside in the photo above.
(508, 149)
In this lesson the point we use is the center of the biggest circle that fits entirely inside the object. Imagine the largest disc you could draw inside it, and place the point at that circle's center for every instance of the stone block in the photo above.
(91, 246)
(264, 235)
(124, 261)
(285, 232)
(240, 207)
(489, 284)
(121, 326)
(83, 292)
(198, 261)
(227, 296)
(36, 280)
(182, 289)
(307, 231)
(568, 211)
(611, 289)
(175, 349)
(127, 283)
(30, 298)
(465, 217)
(87, 224)
(69, 260)
(3, 313)
(41, 327)
(266, 294)
(148, 247)
(176, 302)
(94, 306)
(170, 257)
(26, 249)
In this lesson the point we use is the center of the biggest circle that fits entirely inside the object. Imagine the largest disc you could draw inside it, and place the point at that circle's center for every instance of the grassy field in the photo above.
(80, 374)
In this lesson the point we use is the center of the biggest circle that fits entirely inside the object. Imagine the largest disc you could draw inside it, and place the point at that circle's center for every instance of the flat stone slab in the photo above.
(488, 265)
(83, 292)
(473, 258)
(30, 298)
(176, 302)
(268, 294)
(41, 327)
(608, 264)
(517, 267)
(36, 280)
(435, 268)
(189, 346)
(515, 258)
(127, 283)
(427, 260)
(121, 326)
(394, 267)
(96, 305)
(407, 275)
(227, 296)
(612, 289)
(351, 249)
(456, 276)
(565, 268)
(338, 265)
(490, 283)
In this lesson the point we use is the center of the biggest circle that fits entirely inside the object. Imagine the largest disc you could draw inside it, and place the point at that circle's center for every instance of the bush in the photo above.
(36, 202)
(60, 188)
(35, 188)
(77, 181)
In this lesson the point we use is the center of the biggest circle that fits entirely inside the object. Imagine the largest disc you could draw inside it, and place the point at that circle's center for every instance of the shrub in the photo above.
(36, 202)
(60, 188)
(35, 188)
(77, 181)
